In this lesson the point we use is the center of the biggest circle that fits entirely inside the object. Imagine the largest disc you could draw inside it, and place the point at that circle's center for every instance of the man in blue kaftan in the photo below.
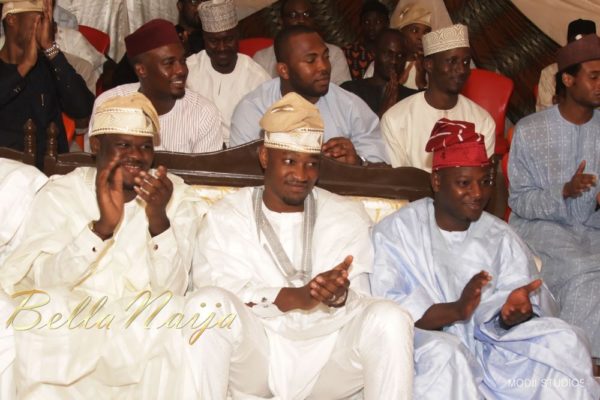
(553, 167)
(485, 329)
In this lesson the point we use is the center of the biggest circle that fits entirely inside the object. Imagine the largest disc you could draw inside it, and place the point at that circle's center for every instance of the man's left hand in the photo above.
(156, 192)
(46, 28)
(518, 306)
(341, 149)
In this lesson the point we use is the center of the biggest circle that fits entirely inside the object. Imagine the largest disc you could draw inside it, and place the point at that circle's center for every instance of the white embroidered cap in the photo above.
(452, 37)
(133, 115)
(217, 15)
(411, 14)
(293, 123)
(21, 6)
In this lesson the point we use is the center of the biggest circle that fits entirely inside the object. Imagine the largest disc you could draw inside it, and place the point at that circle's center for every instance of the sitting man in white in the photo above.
(114, 230)
(352, 132)
(219, 72)
(298, 257)
(407, 125)
(189, 123)
(485, 325)
(301, 13)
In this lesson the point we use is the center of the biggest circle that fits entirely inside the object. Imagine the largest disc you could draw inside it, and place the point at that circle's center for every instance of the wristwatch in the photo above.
(52, 51)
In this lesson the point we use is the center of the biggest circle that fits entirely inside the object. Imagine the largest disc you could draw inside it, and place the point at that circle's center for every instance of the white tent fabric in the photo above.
(553, 16)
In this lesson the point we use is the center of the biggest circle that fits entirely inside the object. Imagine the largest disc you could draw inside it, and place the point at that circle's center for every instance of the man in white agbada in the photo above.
(300, 12)
(485, 328)
(298, 257)
(219, 72)
(114, 230)
(18, 185)
(407, 125)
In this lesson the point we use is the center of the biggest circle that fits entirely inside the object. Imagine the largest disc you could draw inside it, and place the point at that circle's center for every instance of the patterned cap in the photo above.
(410, 14)
(452, 37)
(21, 6)
(293, 123)
(132, 115)
(217, 15)
(585, 49)
(456, 144)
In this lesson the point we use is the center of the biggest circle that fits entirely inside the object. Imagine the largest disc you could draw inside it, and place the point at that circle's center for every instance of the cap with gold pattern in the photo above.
(133, 115)
(21, 6)
(217, 15)
(452, 37)
(293, 123)
(410, 14)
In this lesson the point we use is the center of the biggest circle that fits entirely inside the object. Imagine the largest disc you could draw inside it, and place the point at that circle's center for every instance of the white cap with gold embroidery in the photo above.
(452, 37)
(217, 15)
(410, 14)
(293, 123)
(133, 115)
(21, 6)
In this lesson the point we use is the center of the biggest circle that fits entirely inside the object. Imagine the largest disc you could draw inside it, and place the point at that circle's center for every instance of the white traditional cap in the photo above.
(217, 15)
(410, 14)
(452, 37)
(21, 6)
(293, 123)
(133, 115)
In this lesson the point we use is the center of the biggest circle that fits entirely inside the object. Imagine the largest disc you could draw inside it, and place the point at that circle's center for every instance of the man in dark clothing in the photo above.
(386, 87)
(34, 84)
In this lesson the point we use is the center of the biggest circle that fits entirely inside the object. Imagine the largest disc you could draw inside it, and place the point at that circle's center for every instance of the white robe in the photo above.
(231, 255)
(225, 90)
(340, 72)
(406, 128)
(63, 257)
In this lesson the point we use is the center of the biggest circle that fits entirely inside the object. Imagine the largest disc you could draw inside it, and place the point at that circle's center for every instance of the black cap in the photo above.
(580, 27)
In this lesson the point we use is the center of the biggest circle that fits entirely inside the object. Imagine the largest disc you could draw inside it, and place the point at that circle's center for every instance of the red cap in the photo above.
(151, 35)
(456, 144)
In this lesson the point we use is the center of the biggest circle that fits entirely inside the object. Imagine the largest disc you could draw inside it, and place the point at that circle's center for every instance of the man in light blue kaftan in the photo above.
(553, 195)
(469, 282)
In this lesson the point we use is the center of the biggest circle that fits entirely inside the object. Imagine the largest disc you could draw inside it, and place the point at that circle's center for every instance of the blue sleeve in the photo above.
(244, 123)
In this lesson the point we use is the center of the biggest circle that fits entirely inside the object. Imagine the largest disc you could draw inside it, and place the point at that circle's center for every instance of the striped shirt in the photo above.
(192, 126)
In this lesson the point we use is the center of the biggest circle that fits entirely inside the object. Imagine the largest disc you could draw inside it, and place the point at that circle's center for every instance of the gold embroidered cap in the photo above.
(133, 115)
(293, 123)
(452, 37)
(21, 6)
(217, 15)
(410, 14)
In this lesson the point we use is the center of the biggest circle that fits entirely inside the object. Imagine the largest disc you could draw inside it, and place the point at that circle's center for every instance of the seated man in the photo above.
(553, 170)
(114, 230)
(547, 89)
(407, 125)
(36, 85)
(300, 13)
(351, 129)
(471, 286)
(374, 17)
(413, 21)
(220, 73)
(189, 123)
(189, 27)
(18, 185)
(298, 257)
(386, 87)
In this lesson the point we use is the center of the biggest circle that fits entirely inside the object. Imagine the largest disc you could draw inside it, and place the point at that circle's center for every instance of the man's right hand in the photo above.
(109, 194)
(30, 53)
(471, 296)
(579, 183)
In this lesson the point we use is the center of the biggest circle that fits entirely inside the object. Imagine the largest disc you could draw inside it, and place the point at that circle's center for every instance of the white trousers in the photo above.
(374, 351)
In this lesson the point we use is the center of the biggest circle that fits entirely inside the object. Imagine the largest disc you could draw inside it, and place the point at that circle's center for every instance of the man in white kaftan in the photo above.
(407, 125)
(306, 330)
(553, 170)
(300, 12)
(115, 230)
(219, 72)
(467, 278)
